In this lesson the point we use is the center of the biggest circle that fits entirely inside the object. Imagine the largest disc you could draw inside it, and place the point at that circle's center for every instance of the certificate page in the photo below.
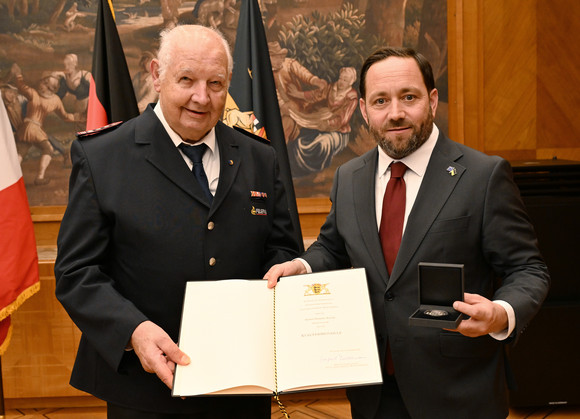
(325, 335)
(227, 331)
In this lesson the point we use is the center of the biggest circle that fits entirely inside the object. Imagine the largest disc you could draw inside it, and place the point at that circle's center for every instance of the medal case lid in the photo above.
(440, 285)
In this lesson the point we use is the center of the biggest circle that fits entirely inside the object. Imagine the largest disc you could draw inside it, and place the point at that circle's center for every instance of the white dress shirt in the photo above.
(211, 158)
(416, 164)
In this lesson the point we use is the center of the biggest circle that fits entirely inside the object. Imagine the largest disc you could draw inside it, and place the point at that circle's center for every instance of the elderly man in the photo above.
(140, 224)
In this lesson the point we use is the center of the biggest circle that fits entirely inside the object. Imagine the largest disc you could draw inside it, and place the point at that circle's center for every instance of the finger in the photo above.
(472, 328)
(165, 374)
(275, 273)
(464, 308)
(176, 355)
(469, 305)
(472, 298)
(272, 276)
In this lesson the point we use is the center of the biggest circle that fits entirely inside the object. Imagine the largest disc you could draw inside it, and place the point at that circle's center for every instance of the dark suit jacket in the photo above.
(137, 228)
(475, 218)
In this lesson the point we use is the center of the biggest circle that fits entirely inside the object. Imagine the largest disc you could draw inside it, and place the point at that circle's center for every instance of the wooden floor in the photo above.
(324, 408)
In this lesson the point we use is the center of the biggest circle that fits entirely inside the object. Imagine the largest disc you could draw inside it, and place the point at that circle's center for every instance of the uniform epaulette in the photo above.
(105, 128)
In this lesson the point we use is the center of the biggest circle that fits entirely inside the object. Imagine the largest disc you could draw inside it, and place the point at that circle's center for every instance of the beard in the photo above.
(418, 137)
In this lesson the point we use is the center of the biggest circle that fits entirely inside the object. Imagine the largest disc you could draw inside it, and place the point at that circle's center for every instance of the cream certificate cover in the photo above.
(314, 331)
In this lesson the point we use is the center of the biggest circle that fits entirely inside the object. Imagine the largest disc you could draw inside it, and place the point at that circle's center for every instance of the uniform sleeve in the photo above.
(282, 244)
(83, 286)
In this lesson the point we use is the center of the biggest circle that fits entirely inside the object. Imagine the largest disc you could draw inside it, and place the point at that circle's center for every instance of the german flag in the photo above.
(252, 102)
(111, 95)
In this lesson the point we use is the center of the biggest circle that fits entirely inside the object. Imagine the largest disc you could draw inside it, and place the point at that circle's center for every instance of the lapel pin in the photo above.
(452, 170)
(258, 211)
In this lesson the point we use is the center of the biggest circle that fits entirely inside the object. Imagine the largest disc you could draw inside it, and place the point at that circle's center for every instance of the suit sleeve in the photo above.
(329, 252)
(83, 286)
(510, 246)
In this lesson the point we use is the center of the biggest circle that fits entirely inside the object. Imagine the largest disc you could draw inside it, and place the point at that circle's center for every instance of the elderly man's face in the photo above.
(193, 87)
(397, 106)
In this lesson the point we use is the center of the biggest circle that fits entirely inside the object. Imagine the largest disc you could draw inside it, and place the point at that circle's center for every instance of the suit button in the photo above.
(212, 261)
(389, 296)
(210, 225)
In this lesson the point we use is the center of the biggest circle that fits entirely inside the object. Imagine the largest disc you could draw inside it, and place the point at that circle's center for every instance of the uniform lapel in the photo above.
(435, 189)
(364, 204)
(229, 163)
(162, 153)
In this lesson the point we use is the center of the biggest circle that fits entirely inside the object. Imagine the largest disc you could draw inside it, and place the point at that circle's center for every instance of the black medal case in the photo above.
(440, 284)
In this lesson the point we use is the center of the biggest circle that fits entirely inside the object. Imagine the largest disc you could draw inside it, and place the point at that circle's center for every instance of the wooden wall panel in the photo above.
(465, 66)
(558, 102)
(515, 77)
(509, 76)
(39, 360)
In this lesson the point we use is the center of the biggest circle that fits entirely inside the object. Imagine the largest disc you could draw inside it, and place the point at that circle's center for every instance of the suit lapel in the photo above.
(364, 204)
(435, 189)
(162, 153)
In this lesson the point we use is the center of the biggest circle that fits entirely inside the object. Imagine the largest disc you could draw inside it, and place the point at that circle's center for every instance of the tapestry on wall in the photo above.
(316, 49)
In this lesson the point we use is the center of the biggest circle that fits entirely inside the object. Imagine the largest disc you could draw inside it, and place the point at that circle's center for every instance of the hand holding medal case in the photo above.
(440, 284)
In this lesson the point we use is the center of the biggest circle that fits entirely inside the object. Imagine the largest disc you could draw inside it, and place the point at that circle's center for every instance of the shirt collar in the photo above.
(416, 161)
(209, 138)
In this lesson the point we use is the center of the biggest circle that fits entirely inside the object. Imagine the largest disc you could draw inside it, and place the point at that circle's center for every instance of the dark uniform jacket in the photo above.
(137, 228)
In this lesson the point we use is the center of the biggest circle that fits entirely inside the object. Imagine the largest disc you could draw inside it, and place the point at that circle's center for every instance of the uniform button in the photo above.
(389, 296)
(212, 261)
(210, 225)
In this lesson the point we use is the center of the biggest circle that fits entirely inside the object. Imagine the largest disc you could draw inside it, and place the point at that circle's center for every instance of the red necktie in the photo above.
(391, 229)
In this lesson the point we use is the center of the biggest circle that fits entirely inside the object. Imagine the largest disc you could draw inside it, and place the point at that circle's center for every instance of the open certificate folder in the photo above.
(311, 332)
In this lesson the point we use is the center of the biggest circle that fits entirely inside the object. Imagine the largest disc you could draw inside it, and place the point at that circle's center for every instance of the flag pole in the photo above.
(2, 410)
(253, 88)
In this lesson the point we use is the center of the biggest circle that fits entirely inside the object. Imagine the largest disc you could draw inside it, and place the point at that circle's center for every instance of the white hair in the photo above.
(169, 37)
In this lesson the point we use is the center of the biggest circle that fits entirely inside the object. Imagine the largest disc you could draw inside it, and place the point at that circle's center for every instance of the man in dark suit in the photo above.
(459, 206)
(139, 225)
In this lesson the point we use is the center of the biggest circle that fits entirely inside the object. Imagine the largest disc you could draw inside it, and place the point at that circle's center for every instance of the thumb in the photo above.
(173, 353)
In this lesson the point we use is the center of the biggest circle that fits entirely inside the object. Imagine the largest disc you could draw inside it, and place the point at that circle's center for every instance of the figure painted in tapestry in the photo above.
(75, 83)
(143, 82)
(30, 133)
(315, 114)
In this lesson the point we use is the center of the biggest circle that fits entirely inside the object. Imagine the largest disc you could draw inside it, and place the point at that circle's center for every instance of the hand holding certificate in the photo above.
(312, 331)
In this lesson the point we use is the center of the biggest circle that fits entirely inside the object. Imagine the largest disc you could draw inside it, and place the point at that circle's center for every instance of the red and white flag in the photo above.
(18, 257)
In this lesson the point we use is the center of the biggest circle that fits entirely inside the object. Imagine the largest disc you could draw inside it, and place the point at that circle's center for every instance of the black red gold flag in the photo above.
(252, 102)
(111, 95)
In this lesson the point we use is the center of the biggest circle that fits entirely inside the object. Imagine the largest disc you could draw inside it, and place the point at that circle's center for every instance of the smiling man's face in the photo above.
(397, 107)
(193, 86)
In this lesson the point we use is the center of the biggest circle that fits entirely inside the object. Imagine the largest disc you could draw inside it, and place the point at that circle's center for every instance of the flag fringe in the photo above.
(24, 295)
(4, 345)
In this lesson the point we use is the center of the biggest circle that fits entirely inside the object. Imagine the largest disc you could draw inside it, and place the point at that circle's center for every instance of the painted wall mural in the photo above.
(316, 48)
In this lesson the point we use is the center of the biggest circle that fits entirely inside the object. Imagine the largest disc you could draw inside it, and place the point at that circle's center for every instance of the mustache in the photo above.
(396, 124)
